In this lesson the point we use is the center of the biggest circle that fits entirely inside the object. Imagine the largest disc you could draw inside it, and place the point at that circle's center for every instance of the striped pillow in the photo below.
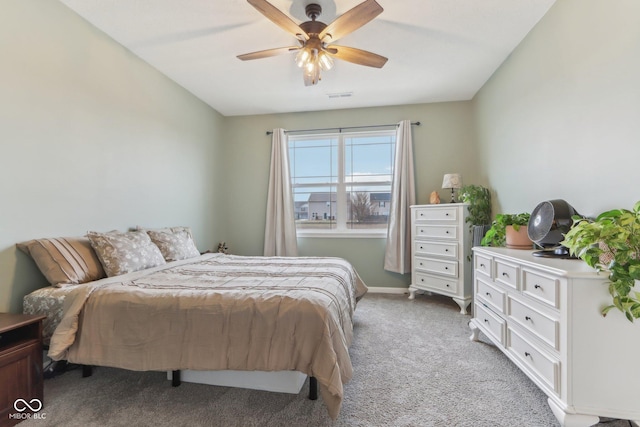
(65, 260)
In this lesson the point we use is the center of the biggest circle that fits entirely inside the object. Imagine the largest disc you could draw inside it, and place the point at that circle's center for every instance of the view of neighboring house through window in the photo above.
(342, 181)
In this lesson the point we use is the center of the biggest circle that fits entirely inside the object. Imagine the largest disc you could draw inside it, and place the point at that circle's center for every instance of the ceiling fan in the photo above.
(315, 51)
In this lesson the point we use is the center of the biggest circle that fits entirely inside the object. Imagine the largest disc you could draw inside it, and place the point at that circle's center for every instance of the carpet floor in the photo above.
(414, 365)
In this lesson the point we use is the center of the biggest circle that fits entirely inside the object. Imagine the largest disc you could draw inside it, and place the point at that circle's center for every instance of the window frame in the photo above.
(341, 230)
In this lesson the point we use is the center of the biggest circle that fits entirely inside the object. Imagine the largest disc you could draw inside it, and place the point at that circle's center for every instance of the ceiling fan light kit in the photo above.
(314, 53)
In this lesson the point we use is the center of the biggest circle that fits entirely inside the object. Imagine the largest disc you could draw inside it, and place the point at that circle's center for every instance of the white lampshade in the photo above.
(452, 180)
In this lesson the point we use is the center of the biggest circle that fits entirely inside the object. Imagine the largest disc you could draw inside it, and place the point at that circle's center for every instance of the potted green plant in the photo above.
(479, 200)
(611, 243)
(507, 230)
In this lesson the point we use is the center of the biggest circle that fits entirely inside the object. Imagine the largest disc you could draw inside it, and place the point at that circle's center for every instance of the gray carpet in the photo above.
(414, 365)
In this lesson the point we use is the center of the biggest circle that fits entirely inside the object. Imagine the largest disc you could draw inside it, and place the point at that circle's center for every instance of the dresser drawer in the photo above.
(491, 324)
(436, 232)
(544, 366)
(437, 266)
(541, 287)
(539, 324)
(490, 295)
(442, 249)
(483, 265)
(437, 284)
(444, 213)
(507, 274)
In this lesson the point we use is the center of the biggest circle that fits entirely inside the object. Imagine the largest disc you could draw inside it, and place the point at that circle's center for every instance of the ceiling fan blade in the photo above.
(277, 17)
(357, 56)
(352, 20)
(267, 53)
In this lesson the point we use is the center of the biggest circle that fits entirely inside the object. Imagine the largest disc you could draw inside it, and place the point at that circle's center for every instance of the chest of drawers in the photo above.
(440, 247)
(544, 314)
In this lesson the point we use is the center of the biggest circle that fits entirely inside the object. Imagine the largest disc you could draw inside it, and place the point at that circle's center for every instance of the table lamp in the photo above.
(452, 181)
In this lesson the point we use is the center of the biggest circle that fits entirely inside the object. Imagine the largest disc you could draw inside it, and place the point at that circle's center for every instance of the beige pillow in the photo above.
(122, 253)
(174, 245)
(64, 260)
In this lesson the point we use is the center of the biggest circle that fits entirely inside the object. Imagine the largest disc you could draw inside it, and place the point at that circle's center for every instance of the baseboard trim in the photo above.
(387, 290)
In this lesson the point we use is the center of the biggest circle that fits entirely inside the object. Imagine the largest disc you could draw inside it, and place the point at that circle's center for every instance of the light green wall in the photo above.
(443, 143)
(560, 118)
(92, 138)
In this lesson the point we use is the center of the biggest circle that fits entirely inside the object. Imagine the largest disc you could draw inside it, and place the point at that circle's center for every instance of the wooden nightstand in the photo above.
(20, 365)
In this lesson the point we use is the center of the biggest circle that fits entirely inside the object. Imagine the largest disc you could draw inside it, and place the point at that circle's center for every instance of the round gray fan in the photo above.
(549, 222)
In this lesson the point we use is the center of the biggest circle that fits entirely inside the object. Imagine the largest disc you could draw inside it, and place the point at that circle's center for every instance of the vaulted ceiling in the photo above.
(437, 50)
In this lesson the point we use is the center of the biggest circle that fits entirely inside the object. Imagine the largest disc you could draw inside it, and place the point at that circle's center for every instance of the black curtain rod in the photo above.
(269, 132)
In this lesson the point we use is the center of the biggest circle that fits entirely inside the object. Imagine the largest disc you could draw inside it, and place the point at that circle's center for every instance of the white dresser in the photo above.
(544, 314)
(440, 250)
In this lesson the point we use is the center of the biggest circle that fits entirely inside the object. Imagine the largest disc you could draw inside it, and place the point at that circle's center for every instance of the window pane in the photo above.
(369, 158)
(313, 160)
(368, 207)
(316, 208)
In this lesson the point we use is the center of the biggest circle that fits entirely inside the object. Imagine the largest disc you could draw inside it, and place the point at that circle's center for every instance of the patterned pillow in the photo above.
(64, 260)
(174, 230)
(174, 245)
(122, 253)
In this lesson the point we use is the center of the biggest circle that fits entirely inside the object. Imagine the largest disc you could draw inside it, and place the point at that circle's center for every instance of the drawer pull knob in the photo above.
(448, 285)
(486, 320)
(446, 250)
(505, 274)
(420, 263)
(527, 318)
(447, 232)
(527, 354)
(447, 214)
(537, 287)
(422, 280)
(446, 268)
(482, 265)
(488, 294)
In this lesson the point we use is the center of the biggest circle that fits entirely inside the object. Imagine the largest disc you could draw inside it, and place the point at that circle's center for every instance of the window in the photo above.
(342, 181)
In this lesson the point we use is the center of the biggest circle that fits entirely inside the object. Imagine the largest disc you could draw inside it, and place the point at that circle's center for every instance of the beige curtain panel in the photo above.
(280, 229)
(397, 257)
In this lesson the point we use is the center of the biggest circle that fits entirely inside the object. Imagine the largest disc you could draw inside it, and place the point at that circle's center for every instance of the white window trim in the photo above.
(331, 234)
(341, 230)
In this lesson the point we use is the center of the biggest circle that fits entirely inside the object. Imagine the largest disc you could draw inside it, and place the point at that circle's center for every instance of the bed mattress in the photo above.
(47, 301)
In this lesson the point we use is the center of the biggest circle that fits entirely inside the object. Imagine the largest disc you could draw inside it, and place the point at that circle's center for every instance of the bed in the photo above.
(212, 312)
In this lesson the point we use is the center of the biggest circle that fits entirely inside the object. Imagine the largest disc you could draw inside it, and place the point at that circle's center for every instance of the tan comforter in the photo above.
(219, 312)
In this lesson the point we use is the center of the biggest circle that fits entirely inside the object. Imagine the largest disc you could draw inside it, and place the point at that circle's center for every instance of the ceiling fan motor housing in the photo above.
(313, 27)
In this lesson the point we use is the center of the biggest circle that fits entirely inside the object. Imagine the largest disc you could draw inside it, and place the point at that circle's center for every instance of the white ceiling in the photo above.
(438, 50)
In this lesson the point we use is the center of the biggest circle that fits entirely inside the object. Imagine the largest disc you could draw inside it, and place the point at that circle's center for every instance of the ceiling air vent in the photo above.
(340, 95)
